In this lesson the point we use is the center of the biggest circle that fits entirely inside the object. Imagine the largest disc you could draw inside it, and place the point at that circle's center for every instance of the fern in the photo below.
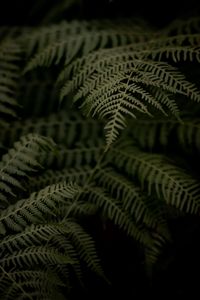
(85, 246)
(133, 201)
(43, 281)
(35, 208)
(127, 75)
(33, 255)
(50, 176)
(33, 247)
(111, 207)
(83, 154)
(65, 128)
(30, 256)
(116, 91)
(32, 235)
(19, 162)
(157, 174)
(10, 55)
(67, 39)
(149, 132)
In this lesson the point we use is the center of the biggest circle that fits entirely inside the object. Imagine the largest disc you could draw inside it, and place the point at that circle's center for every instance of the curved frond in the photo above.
(145, 210)
(153, 131)
(121, 84)
(161, 176)
(66, 128)
(82, 154)
(34, 256)
(85, 246)
(20, 161)
(78, 175)
(32, 235)
(112, 208)
(37, 207)
(10, 55)
(20, 283)
(68, 40)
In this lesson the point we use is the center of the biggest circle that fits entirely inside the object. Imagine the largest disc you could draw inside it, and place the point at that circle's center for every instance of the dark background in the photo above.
(159, 13)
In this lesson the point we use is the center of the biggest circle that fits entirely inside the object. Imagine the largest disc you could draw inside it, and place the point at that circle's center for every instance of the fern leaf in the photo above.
(32, 235)
(188, 133)
(149, 132)
(49, 177)
(182, 26)
(20, 161)
(26, 280)
(36, 207)
(85, 246)
(144, 209)
(64, 128)
(168, 181)
(10, 53)
(112, 209)
(34, 256)
(68, 39)
(65, 245)
(82, 154)
(121, 83)
(153, 253)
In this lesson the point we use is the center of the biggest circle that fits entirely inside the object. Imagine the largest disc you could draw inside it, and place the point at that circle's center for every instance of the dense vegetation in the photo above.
(100, 144)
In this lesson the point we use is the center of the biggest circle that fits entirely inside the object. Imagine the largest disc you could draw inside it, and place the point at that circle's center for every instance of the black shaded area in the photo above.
(176, 272)
(158, 13)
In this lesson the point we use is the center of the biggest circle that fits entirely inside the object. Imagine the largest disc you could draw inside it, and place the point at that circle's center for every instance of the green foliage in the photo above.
(10, 52)
(56, 171)
(124, 74)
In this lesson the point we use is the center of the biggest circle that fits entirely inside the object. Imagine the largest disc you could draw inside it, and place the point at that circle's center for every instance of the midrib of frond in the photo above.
(179, 186)
(133, 200)
(29, 202)
(116, 121)
(40, 251)
(44, 229)
(16, 283)
(13, 157)
(112, 208)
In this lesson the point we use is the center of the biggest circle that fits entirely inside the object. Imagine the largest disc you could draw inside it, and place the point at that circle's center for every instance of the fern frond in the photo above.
(36, 207)
(153, 131)
(69, 39)
(147, 132)
(188, 133)
(82, 154)
(45, 282)
(36, 88)
(20, 161)
(112, 209)
(65, 128)
(78, 175)
(13, 32)
(182, 26)
(134, 201)
(34, 256)
(153, 253)
(85, 246)
(32, 235)
(64, 244)
(158, 175)
(124, 84)
(10, 55)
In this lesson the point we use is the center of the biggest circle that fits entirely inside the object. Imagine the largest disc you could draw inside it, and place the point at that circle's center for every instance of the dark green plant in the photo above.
(118, 71)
